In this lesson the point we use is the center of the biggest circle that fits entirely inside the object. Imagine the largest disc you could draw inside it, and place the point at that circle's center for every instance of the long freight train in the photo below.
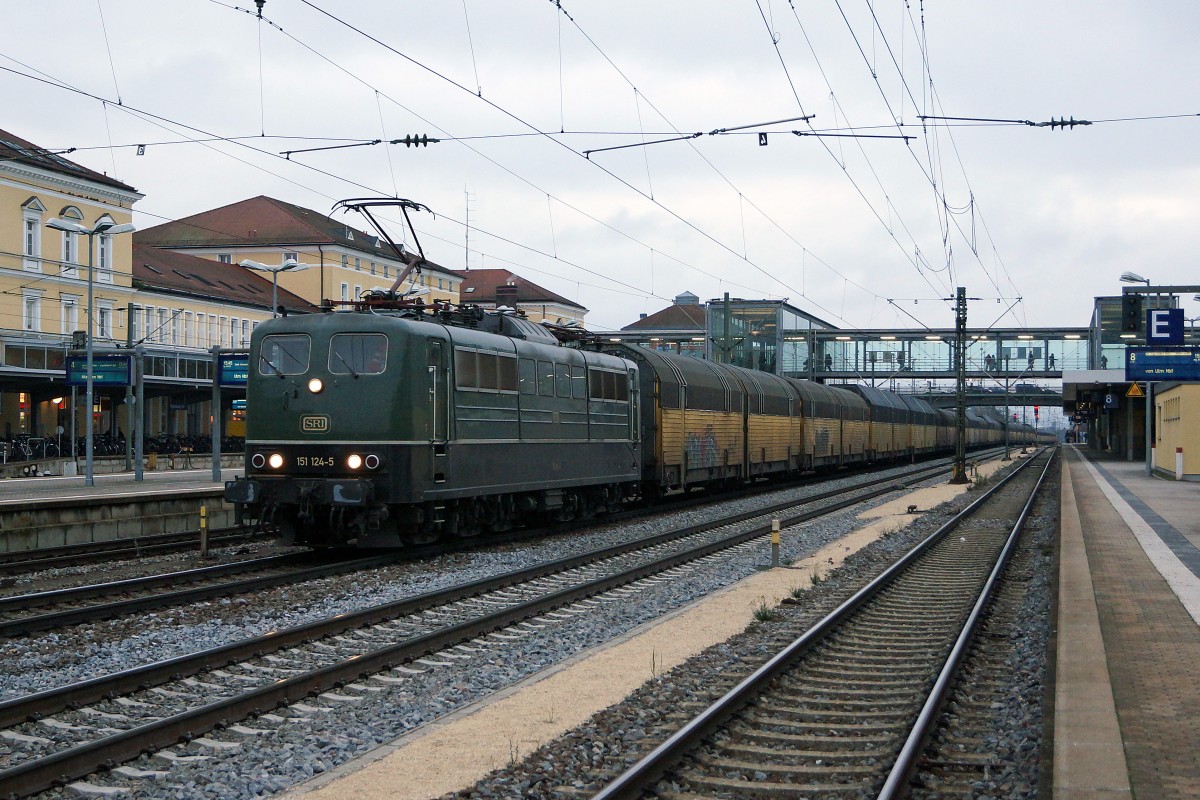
(390, 424)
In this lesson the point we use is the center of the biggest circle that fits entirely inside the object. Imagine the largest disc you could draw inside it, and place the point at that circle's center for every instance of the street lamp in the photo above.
(101, 228)
(1133, 277)
(288, 265)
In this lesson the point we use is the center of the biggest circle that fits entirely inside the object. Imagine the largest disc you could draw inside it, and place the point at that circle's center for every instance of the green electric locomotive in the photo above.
(391, 424)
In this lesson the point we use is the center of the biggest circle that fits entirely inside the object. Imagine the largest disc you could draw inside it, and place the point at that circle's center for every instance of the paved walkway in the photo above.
(1139, 538)
(61, 488)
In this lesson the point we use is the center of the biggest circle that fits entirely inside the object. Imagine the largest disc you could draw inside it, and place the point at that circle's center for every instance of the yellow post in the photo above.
(204, 531)
(775, 543)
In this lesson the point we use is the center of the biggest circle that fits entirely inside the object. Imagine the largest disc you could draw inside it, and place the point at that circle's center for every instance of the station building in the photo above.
(493, 288)
(340, 261)
(1176, 445)
(173, 307)
(1109, 412)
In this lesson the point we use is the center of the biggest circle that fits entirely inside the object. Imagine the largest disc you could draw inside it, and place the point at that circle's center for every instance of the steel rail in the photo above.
(16, 602)
(44, 773)
(57, 619)
(633, 782)
(906, 762)
(115, 549)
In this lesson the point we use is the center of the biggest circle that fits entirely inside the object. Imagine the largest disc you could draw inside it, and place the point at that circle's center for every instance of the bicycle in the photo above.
(41, 448)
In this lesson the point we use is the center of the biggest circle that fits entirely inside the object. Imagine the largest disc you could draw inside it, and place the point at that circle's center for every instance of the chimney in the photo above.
(506, 295)
(641, 316)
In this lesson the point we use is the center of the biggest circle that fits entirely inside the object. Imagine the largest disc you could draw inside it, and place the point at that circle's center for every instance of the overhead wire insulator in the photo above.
(412, 140)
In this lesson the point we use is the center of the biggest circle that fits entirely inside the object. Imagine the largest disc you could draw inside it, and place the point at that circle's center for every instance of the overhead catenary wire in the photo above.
(853, 182)
(210, 138)
(550, 137)
(707, 161)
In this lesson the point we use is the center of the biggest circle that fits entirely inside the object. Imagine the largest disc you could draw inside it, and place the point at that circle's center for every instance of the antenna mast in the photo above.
(467, 234)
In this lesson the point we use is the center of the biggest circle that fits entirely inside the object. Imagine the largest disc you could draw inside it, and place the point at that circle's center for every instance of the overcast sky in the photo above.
(852, 229)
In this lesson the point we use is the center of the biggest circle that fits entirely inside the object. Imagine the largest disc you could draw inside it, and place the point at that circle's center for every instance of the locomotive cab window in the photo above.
(284, 354)
(358, 353)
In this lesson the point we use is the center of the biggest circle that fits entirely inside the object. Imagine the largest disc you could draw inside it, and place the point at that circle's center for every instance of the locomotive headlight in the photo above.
(315, 385)
(355, 461)
(372, 461)
(275, 460)
(258, 461)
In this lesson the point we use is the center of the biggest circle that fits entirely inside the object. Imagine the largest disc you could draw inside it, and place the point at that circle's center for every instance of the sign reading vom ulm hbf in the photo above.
(1162, 364)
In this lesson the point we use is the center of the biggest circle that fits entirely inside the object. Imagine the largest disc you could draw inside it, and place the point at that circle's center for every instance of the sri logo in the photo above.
(314, 423)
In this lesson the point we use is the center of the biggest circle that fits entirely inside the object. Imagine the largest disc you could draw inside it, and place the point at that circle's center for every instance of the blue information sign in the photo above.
(233, 370)
(107, 370)
(1162, 363)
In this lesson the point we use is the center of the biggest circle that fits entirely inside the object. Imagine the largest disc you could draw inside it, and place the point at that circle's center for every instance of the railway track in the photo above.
(845, 709)
(61, 734)
(45, 611)
(27, 561)
(27, 613)
(24, 561)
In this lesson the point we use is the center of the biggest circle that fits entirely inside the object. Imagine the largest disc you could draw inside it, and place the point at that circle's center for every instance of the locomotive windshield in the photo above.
(284, 354)
(358, 353)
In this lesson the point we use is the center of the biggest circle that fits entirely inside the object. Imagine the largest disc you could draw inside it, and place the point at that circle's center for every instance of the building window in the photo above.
(70, 255)
(70, 314)
(104, 259)
(31, 242)
(372, 267)
(32, 245)
(161, 330)
(245, 332)
(345, 292)
(31, 311)
(135, 324)
(188, 333)
(358, 264)
(175, 327)
(213, 331)
(357, 292)
(440, 284)
(219, 339)
(233, 332)
(345, 261)
(104, 315)
(225, 258)
(291, 256)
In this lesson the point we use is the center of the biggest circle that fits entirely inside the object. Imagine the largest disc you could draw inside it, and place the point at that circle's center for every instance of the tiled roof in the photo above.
(673, 318)
(166, 270)
(264, 221)
(17, 150)
(479, 286)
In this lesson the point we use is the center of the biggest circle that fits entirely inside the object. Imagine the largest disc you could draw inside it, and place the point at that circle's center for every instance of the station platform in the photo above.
(109, 486)
(1127, 686)
(54, 511)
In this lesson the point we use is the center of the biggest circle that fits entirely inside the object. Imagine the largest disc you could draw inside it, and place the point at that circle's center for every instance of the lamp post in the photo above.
(288, 265)
(1133, 277)
(102, 228)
